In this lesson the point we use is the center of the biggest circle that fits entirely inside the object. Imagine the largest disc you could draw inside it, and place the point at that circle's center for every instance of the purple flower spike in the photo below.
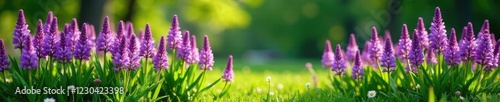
(486, 26)
(194, 50)
(437, 37)
(141, 35)
(496, 59)
(29, 59)
(105, 39)
(160, 60)
(416, 55)
(206, 55)
(388, 59)
(120, 31)
(21, 32)
(387, 34)
(39, 37)
(422, 33)
(134, 53)
(121, 56)
(451, 55)
(357, 69)
(484, 50)
(63, 50)
(431, 57)
(91, 36)
(148, 43)
(51, 39)
(328, 56)
(404, 43)
(119, 35)
(130, 29)
(174, 37)
(48, 22)
(467, 43)
(365, 57)
(352, 48)
(228, 75)
(4, 59)
(74, 33)
(376, 47)
(83, 47)
(338, 65)
(185, 50)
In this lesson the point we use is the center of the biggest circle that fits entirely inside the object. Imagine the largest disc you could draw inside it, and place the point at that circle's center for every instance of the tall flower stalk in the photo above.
(147, 45)
(105, 40)
(82, 48)
(21, 31)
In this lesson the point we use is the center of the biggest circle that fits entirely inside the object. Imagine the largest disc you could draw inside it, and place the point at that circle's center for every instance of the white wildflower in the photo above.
(372, 94)
(49, 100)
(268, 78)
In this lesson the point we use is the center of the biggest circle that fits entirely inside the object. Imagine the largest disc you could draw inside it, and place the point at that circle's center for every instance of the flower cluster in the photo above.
(418, 49)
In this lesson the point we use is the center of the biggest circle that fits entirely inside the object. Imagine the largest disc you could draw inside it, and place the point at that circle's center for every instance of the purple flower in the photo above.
(141, 35)
(496, 55)
(134, 53)
(121, 56)
(119, 35)
(105, 39)
(365, 57)
(51, 39)
(206, 55)
(21, 32)
(37, 42)
(437, 38)
(160, 60)
(129, 29)
(174, 37)
(467, 44)
(82, 48)
(388, 59)
(63, 50)
(74, 34)
(357, 69)
(352, 48)
(328, 56)
(451, 55)
(148, 43)
(404, 43)
(422, 33)
(194, 50)
(228, 75)
(91, 36)
(4, 59)
(185, 50)
(29, 59)
(431, 57)
(376, 48)
(484, 50)
(416, 55)
(48, 22)
(486, 26)
(338, 65)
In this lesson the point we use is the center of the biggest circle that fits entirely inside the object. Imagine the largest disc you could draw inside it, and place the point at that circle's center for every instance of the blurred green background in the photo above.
(259, 30)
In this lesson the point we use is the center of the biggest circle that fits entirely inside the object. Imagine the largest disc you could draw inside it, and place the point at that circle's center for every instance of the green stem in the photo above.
(146, 65)
(104, 58)
(30, 79)
(4, 77)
